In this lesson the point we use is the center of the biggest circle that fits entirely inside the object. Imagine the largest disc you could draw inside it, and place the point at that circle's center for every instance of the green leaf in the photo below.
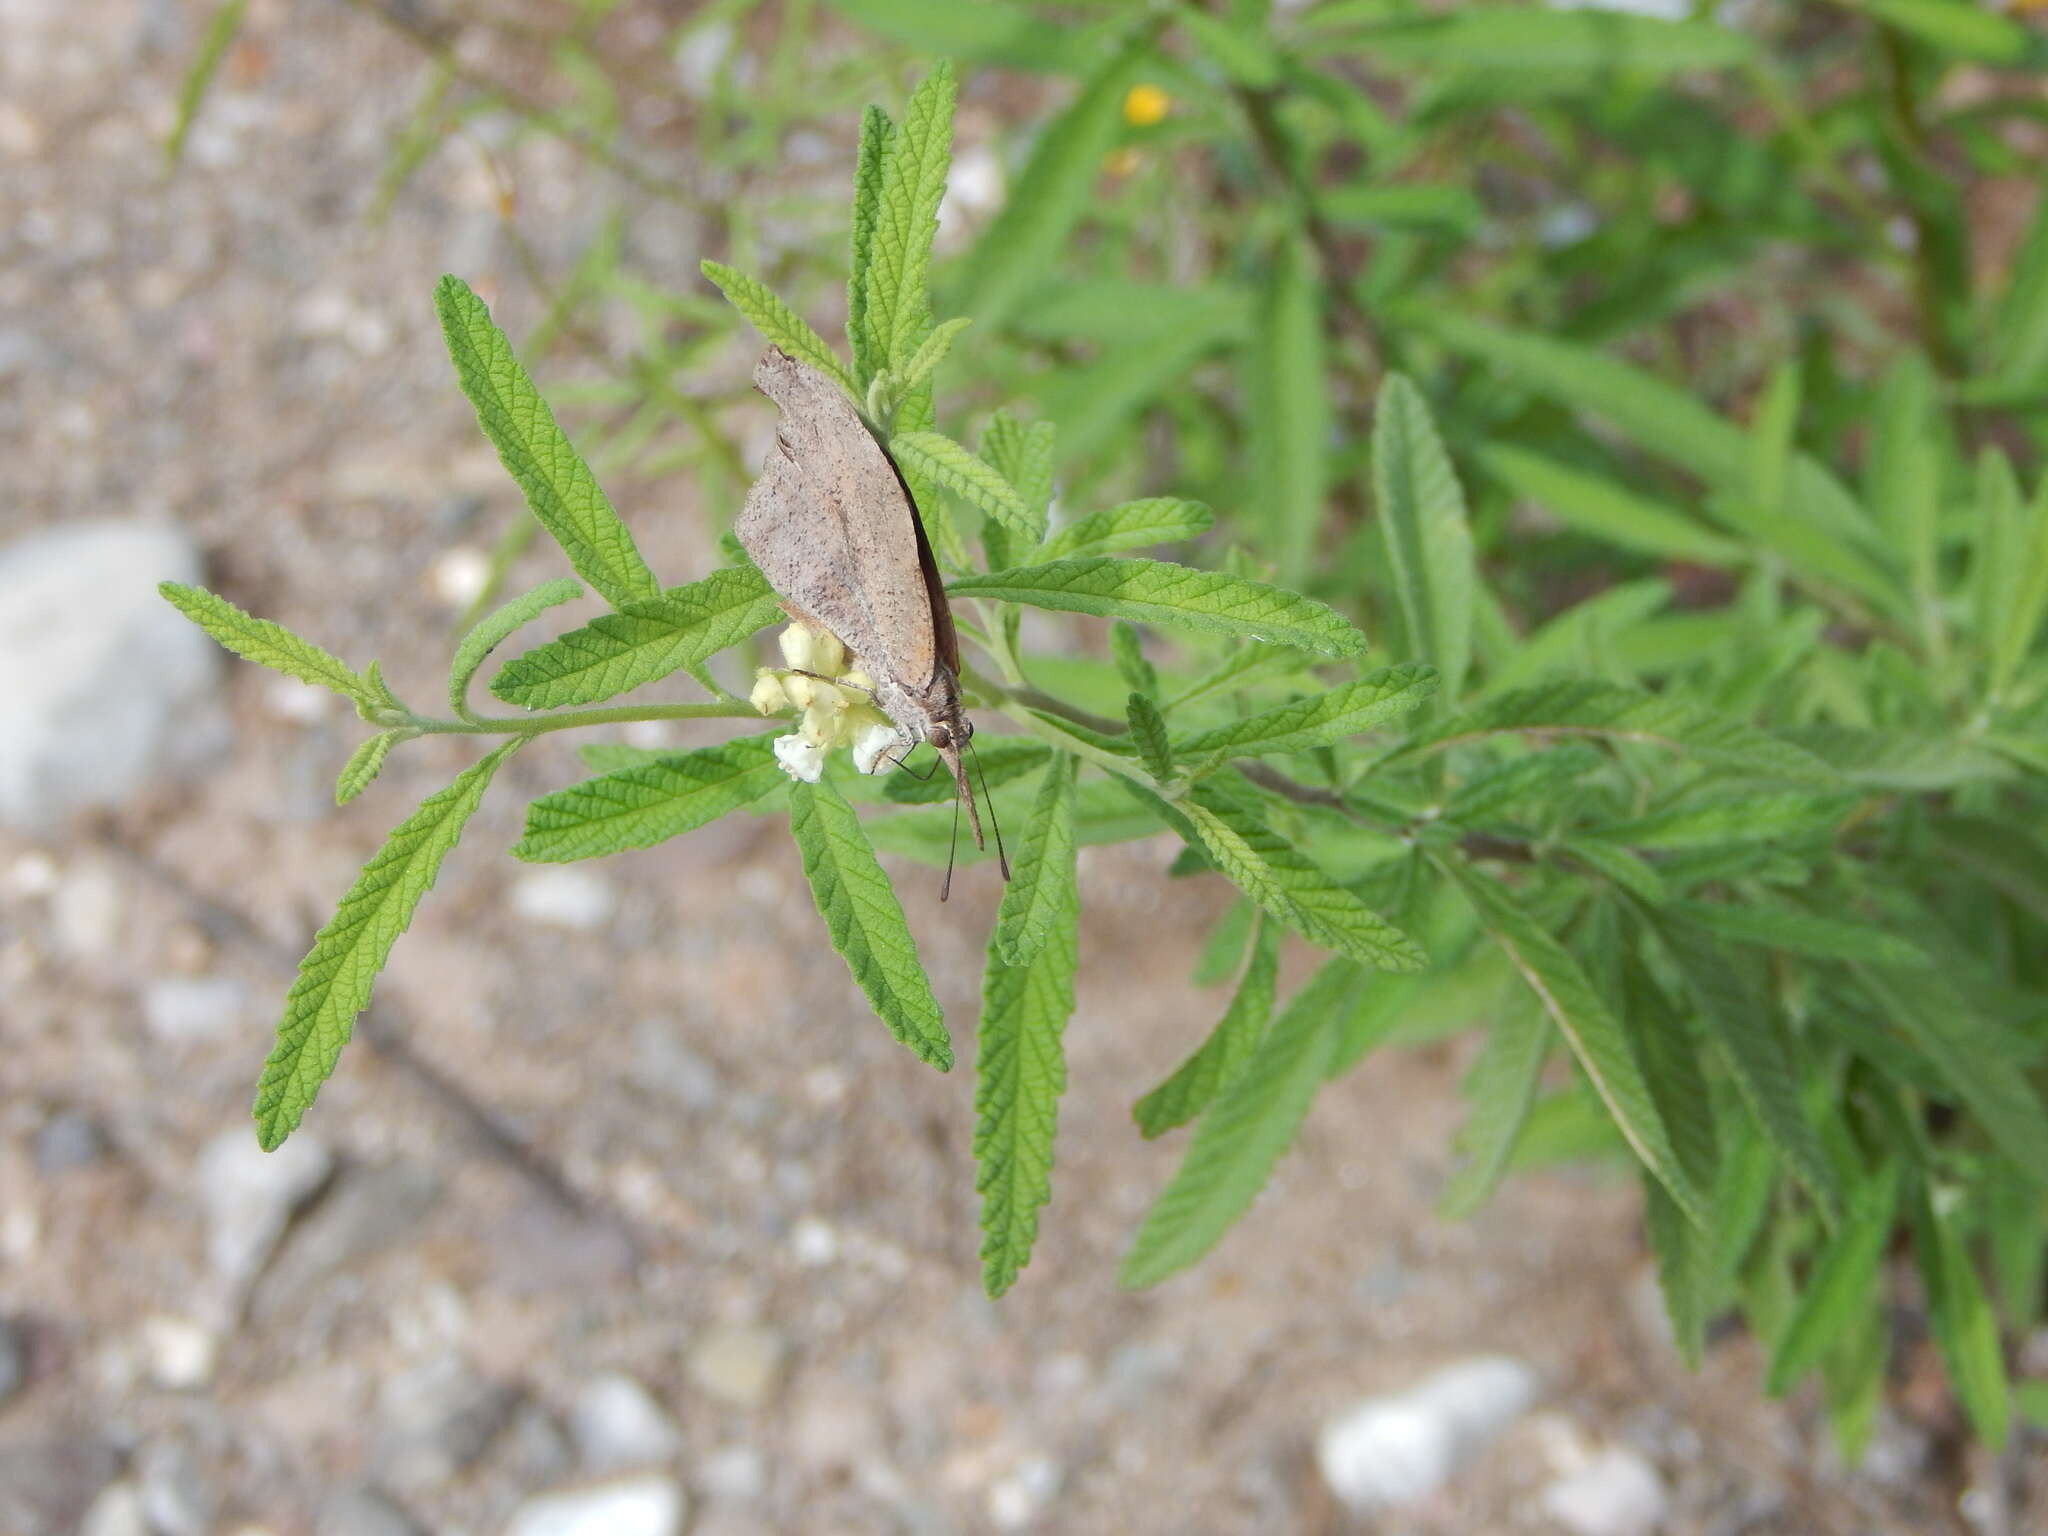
(951, 467)
(1344, 711)
(865, 920)
(931, 352)
(1683, 1277)
(1601, 509)
(1126, 645)
(1901, 760)
(1972, 1053)
(987, 32)
(269, 645)
(364, 764)
(1800, 933)
(1500, 1089)
(335, 978)
(1620, 867)
(1429, 543)
(1041, 887)
(2016, 332)
(1240, 50)
(1595, 1035)
(492, 631)
(1022, 455)
(559, 487)
(906, 218)
(1746, 1025)
(2013, 544)
(1130, 525)
(1480, 799)
(1518, 39)
(1020, 1074)
(611, 756)
(1148, 732)
(1843, 1282)
(1751, 818)
(1195, 1083)
(1957, 27)
(877, 135)
(1223, 951)
(1052, 194)
(1239, 1141)
(1581, 707)
(1668, 422)
(221, 29)
(1965, 1327)
(1289, 409)
(1744, 1182)
(778, 324)
(1291, 886)
(1160, 592)
(639, 807)
(641, 643)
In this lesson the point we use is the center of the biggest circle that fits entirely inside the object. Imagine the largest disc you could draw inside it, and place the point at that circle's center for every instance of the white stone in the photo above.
(575, 899)
(615, 1424)
(103, 676)
(178, 1353)
(1018, 1499)
(182, 1009)
(733, 1472)
(1614, 1492)
(460, 575)
(250, 1194)
(640, 1506)
(814, 1243)
(1392, 1450)
(737, 1365)
(117, 1511)
(86, 910)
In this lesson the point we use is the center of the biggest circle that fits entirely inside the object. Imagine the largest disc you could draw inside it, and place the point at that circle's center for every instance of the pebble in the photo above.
(103, 674)
(68, 1139)
(1019, 1498)
(736, 1473)
(639, 1506)
(13, 1359)
(364, 1512)
(1613, 1492)
(615, 1423)
(1392, 1450)
(435, 1419)
(250, 1194)
(86, 910)
(118, 1511)
(739, 1365)
(175, 1496)
(181, 1010)
(565, 898)
(178, 1353)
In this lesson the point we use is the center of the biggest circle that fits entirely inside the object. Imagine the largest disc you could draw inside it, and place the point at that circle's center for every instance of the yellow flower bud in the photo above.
(1145, 105)
(768, 695)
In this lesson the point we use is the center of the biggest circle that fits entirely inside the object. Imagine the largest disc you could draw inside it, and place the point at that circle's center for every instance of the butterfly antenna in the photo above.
(1002, 858)
(952, 848)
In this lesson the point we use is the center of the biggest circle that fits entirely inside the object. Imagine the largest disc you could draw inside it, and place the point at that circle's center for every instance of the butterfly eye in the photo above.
(941, 737)
(967, 730)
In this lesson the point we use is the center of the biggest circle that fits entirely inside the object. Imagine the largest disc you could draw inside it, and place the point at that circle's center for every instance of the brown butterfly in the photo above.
(832, 526)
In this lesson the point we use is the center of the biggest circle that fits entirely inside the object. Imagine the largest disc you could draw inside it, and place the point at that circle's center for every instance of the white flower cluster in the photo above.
(831, 716)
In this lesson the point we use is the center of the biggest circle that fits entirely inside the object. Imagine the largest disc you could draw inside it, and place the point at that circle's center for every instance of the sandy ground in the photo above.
(680, 1142)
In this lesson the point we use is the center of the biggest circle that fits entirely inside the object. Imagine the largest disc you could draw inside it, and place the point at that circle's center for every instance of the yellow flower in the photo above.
(829, 715)
(1145, 105)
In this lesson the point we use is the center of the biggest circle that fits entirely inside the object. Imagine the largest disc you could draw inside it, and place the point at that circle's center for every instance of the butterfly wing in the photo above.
(831, 526)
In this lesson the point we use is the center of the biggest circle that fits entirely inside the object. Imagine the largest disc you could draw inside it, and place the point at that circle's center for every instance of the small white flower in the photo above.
(870, 743)
(768, 696)
(799, 759)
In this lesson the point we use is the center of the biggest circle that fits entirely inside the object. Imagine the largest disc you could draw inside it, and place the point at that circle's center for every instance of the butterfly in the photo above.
(833, 528)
